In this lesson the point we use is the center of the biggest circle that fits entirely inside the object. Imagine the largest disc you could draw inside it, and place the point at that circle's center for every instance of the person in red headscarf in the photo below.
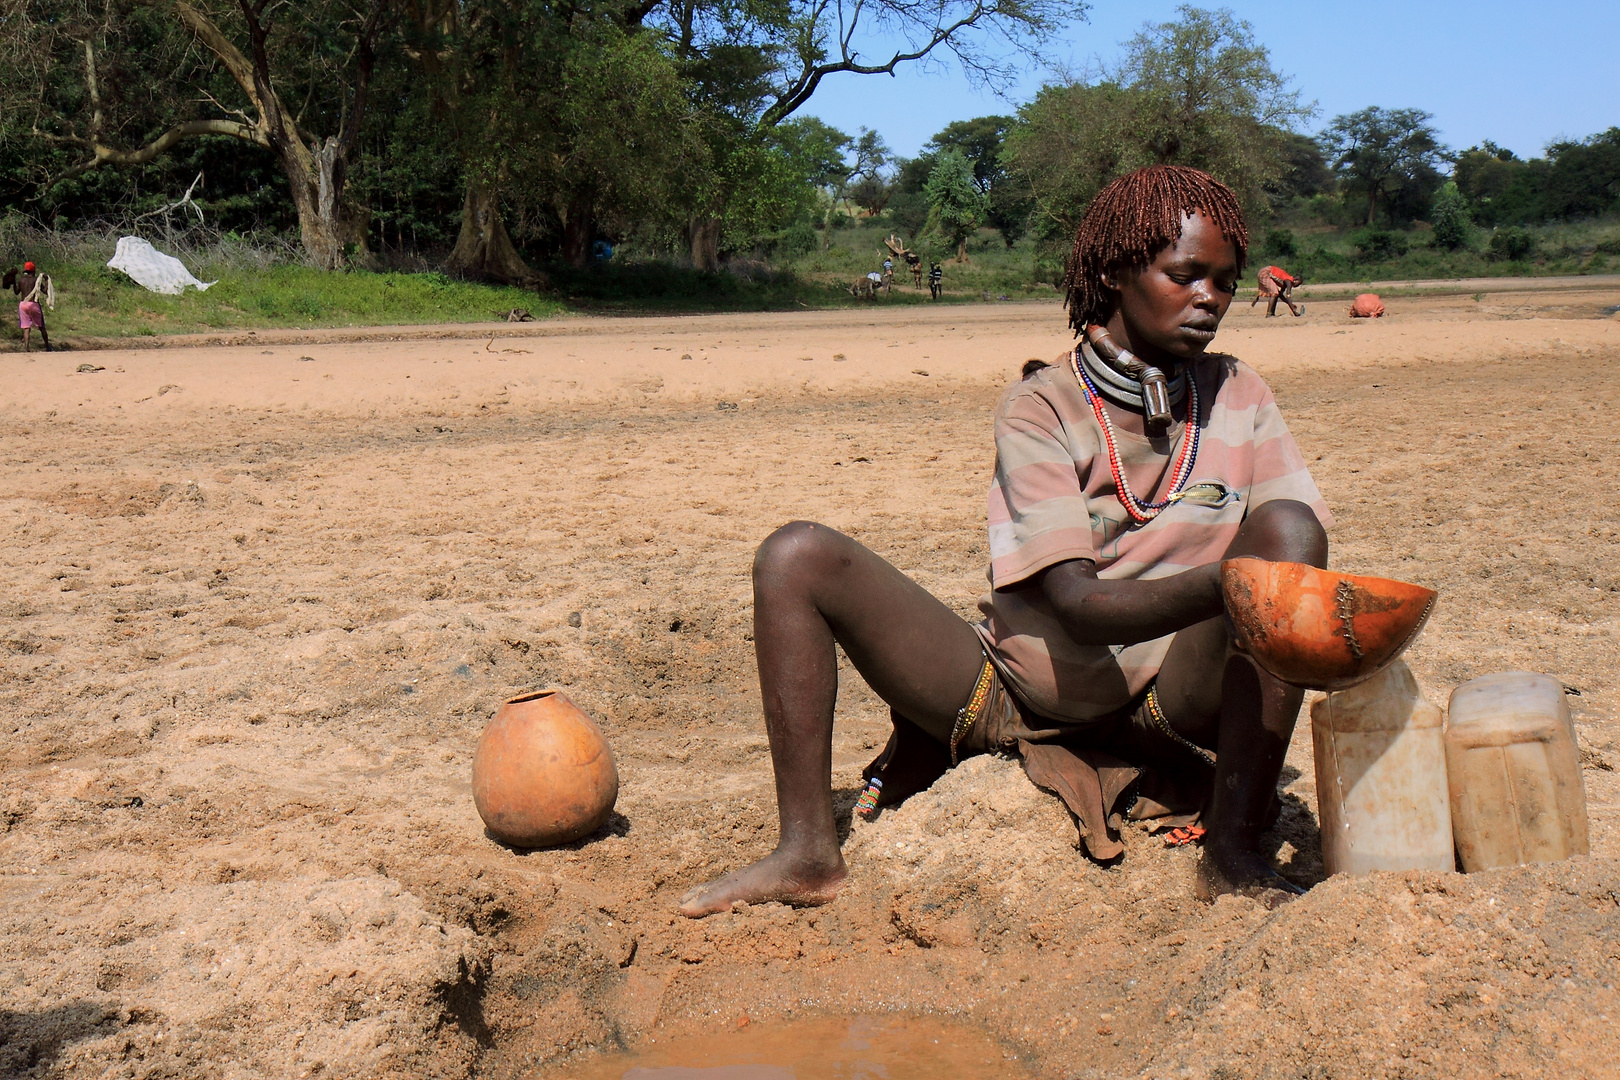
(1276, 284)
(35, 293)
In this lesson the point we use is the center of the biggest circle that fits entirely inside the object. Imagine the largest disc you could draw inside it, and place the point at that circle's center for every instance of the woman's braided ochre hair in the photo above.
(1131, 221)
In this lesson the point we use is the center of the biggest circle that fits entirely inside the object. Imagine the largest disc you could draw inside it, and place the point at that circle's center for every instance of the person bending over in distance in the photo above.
(1275, 284)
(1104, 659)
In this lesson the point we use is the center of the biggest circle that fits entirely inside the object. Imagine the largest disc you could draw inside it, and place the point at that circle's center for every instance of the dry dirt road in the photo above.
(258, 603)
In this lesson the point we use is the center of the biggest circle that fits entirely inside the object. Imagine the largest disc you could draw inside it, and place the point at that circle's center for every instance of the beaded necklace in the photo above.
(1142, 512)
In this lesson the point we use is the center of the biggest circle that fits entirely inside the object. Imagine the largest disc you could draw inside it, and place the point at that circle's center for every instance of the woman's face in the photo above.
(1169, 310)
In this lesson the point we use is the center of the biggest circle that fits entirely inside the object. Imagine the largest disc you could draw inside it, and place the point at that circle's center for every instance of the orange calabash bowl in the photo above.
(1320, 629)
(543, 774)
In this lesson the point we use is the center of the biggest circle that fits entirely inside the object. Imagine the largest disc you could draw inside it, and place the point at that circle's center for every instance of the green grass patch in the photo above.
(95, 301)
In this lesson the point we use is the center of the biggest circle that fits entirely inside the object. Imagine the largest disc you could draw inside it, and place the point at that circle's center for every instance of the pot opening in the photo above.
(535, 695)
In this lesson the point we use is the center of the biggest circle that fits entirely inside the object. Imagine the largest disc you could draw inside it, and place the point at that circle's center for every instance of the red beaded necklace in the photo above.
(1142, 512)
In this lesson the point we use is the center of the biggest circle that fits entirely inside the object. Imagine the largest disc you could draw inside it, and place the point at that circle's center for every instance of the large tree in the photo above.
(210, 69)
(1306, 171)
(744, 67)
(1204, 93)
(809, 41)
(1584, 177)
(868, 185)
(1197, 91)
(570, 120)
(1385, 154)
(956, 206)
(981, 140)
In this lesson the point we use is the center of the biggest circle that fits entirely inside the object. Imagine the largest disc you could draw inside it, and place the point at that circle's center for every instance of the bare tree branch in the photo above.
(809, 78)
(108, 155)
(828, 36)
(221, 46)
(222, 107)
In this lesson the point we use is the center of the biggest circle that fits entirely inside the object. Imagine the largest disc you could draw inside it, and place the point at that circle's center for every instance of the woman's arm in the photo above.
(1096, 612)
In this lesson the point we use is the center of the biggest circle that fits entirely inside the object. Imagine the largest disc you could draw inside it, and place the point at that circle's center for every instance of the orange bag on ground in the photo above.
(1367, 306)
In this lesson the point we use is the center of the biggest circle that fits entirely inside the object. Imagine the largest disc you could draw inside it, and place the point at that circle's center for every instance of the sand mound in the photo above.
(348, 976)
(1508, 973)
(984, 847)
(1501, 974)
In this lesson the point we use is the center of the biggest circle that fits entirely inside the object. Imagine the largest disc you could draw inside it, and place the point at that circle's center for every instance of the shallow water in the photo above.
(848, 1048)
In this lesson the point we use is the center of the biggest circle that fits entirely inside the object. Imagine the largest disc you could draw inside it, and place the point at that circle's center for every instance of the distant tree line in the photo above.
(1577, 178)
(502, 132)
(1201, 91)
(481, 125)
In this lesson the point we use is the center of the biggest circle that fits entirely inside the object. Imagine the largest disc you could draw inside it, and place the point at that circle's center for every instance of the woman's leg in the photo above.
(815, 588)
(1224, 701)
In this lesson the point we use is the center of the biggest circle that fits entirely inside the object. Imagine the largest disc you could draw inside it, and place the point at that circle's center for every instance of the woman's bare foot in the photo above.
(1241, 873)
(778, 876)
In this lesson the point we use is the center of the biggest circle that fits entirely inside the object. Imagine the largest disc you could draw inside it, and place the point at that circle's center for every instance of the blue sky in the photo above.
(1521, 74)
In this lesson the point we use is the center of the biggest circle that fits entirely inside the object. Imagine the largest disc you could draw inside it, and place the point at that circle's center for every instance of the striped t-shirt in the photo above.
(1053, 499)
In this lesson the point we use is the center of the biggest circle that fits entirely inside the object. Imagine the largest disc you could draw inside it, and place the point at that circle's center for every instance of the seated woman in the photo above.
(1125, 472)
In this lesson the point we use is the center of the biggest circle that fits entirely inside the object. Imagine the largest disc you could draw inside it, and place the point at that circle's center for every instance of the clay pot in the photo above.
(1320, 629)
(543, 774)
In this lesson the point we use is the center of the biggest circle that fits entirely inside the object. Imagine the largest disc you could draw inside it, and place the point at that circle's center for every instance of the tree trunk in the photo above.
(327, 223)
(704, 232)
(355, 235)
(1372, 205)
(317, 216)
(961, 250)
(484, 250)
(579, 233)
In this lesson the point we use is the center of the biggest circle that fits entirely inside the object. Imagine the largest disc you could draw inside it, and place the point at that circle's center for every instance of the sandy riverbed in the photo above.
(260, 600)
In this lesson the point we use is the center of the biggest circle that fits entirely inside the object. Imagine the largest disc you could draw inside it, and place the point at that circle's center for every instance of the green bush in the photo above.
(1377, 245)
(1051, 270)
(1511, 244)
(908, 212)
(1280, 244)
(800, 239)
(1450, 218)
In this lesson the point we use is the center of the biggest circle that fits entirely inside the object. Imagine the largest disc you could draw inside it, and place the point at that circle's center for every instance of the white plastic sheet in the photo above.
(158, 272)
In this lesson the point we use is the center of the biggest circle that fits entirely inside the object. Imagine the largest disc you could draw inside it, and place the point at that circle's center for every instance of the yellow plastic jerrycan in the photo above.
(1516, 790)
(1381, 777)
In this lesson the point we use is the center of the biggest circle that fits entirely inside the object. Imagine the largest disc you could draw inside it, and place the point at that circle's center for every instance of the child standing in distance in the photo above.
(1104, 658)
(935, 276)
(33, 289)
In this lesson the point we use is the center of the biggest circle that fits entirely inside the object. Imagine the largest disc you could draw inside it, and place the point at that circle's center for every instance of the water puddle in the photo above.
(850, 1048)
